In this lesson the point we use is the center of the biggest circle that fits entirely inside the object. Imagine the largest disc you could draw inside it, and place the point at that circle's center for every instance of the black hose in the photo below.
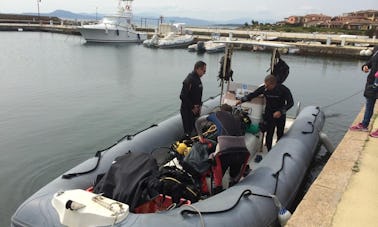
(245, 193)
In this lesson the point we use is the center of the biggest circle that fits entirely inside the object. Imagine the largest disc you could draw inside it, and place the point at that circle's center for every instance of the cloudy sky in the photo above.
(200, 9)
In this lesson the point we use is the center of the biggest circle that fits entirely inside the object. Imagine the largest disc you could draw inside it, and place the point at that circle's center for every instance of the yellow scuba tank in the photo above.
(182, 148)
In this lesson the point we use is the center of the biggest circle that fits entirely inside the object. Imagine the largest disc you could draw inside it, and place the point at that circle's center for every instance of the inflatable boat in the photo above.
(254, 201)
(260, 197)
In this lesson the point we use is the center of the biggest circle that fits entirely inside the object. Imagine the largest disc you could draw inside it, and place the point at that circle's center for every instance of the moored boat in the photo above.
(114, 28)
(173, 40)
(251, 202)
(257, 200)
(206, 46)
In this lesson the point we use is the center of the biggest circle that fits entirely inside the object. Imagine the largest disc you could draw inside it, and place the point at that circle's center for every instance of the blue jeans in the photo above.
(369, 110)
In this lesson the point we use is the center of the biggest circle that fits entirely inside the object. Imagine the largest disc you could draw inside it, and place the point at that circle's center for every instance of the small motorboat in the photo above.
(153, 42)
(207, 46)
(173, 40)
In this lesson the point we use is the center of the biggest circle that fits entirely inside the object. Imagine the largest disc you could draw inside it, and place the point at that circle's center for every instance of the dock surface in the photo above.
(346, 191)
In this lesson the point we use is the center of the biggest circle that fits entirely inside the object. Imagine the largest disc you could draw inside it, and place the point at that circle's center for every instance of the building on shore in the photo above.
(359, 20)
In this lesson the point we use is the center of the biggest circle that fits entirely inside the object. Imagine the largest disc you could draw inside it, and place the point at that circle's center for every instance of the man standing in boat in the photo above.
(278, 100)
(191, 97)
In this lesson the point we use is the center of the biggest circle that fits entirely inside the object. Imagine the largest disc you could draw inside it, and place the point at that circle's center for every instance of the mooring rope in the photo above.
(342, 100)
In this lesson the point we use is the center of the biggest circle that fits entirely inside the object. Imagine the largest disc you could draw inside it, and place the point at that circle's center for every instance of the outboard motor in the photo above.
(201, 47)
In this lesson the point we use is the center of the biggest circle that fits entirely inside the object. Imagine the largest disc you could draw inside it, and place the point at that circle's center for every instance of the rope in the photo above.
(179, 182)
(211, 129)
(198, 212)
(342, 100)
(277, 174)
(245, 192)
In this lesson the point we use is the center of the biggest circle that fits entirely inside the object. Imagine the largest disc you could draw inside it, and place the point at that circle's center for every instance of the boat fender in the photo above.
(117, 31)
(326, 142)
(368, 52)
(283, 214)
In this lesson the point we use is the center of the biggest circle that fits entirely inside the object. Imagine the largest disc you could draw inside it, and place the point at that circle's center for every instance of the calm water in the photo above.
(62, 100)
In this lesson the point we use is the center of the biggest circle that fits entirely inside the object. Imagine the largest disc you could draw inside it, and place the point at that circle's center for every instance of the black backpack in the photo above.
(178, 184)
(281, 71)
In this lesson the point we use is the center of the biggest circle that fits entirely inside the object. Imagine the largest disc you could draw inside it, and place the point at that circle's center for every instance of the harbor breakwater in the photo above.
(301, 43)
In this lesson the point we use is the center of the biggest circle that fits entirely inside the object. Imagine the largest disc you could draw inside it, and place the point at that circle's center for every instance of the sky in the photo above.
(275, 10)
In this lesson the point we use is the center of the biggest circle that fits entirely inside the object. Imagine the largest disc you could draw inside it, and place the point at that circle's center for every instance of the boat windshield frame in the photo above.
(116, 20)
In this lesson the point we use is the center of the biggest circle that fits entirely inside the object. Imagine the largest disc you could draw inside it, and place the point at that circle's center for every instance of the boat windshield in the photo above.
(115, 20)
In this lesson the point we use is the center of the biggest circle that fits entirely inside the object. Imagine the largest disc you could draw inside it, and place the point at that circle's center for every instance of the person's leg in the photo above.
(269, 134)
(187, 120)
(280, 124)
(369, 110)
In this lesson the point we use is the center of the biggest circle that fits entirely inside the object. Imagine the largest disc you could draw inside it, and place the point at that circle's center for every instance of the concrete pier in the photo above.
(346, 191)
(64, 29)
(303, 43)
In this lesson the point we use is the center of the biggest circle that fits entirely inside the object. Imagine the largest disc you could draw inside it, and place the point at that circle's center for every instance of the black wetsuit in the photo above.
(191, 94)
(278, 99)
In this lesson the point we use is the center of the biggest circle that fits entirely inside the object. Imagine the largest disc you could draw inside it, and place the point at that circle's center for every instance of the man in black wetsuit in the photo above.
(191, 97)
(278, 100)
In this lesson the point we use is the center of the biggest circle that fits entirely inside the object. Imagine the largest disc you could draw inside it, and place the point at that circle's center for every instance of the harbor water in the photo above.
(63, 99)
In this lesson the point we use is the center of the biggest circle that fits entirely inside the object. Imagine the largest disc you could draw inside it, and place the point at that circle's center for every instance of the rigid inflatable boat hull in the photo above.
(290, 157)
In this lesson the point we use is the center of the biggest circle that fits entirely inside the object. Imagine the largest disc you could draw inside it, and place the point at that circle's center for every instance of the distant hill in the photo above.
(63, 14)
(69, 15)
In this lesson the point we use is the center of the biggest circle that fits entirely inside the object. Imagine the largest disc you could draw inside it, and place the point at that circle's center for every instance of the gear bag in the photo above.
(178, 184)
(197, 161)
(281, 71)
(227, 74)
(131, 179)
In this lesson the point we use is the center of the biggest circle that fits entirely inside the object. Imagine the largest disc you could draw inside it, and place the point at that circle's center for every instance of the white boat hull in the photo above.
(92, 34)
(173, 41)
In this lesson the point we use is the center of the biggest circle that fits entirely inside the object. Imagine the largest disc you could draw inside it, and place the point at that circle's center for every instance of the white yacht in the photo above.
(114, 28)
